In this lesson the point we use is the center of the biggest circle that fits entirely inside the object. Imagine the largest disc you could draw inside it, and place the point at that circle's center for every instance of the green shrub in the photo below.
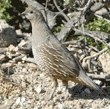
(98, 25)
(58, 28)
(5, 4)
(102, 46)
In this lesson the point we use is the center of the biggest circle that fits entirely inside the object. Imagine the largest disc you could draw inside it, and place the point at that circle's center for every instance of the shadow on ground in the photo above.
(78, 92)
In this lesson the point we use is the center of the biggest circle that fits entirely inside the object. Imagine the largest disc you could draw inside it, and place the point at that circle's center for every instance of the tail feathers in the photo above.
(88, 82)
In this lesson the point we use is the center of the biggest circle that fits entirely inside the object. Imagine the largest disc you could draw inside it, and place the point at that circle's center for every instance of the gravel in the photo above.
(28, 88)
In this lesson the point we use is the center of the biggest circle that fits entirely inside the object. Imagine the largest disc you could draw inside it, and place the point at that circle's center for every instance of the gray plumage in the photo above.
(52, 57)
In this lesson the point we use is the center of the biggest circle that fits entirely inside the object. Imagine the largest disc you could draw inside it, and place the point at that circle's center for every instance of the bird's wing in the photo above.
(61, 57)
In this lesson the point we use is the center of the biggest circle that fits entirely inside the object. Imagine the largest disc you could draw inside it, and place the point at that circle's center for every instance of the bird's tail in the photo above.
(88, 81)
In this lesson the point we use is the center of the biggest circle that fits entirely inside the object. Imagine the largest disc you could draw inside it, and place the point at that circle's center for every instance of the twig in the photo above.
(74, 42)
(102, 18)
(18, 58)
(3, 50)
(98, 77)
(97, 54)
(29, 60)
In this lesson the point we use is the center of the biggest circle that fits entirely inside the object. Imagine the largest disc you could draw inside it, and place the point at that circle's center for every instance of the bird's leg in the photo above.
(67, 92)
(55, 84)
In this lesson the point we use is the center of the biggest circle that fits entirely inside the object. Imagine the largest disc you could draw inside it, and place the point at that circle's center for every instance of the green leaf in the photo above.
(5, 4)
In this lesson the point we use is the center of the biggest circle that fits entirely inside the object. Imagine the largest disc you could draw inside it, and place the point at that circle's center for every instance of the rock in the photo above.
(2, 58)
(7, 34)
(98, 82)
(20, 100)
(11, 48)
(39, 90)
(37, 107)
(1, 98)
(19, 32)
(42, 75)
(59, 92)
(105, 61)
(96, 106)
(103, 12)
(31, 65)
(87, 91)
(24, 70)
(56, 99)
(37, 98)
(23, 84)
(62, 106)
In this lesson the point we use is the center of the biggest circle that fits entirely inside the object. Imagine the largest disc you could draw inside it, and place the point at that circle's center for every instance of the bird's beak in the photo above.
(24, 13)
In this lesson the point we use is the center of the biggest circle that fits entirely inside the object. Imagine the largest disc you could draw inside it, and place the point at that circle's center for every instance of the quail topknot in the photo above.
(52, 57)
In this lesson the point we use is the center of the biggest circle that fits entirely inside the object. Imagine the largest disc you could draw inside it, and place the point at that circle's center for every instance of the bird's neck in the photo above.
(40, 32)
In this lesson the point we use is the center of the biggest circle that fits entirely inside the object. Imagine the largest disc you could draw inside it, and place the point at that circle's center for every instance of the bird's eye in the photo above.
(31, 12)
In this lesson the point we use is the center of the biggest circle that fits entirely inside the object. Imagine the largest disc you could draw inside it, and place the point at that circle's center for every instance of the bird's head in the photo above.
(32, 13)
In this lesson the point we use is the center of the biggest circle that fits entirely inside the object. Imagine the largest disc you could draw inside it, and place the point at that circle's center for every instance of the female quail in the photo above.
(52, 57)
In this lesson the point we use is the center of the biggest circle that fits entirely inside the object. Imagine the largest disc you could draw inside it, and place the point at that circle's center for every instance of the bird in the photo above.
(52, 57)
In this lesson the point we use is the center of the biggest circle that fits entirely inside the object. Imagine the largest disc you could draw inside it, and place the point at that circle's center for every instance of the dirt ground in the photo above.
(24, 86)
(29, 88)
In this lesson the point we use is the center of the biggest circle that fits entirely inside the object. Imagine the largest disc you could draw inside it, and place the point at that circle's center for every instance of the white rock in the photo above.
(6, 102)
(62, 106)
(24, 70)
(23, 84)
(19, 32)
(1, 97)
(98, 82)
(55, 99)
(42, 75)
(37, 107)
(22, 76)
(17, 101)
(39, 90)
(20, 101)
(29, 102)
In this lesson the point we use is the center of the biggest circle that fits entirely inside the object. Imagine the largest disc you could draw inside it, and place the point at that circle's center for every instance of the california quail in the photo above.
(52, 57)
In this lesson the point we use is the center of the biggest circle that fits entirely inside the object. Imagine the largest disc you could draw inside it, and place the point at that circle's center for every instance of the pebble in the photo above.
(55, 99)
(42, 75)
(37, 98)
(19, 32)
(37, 107)
(1, 97)
(98, 82)
(23, 84)
(39, 90)
(24, 70)
(59, 92)
(20, 100)
(62, 106)
(87, 91)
